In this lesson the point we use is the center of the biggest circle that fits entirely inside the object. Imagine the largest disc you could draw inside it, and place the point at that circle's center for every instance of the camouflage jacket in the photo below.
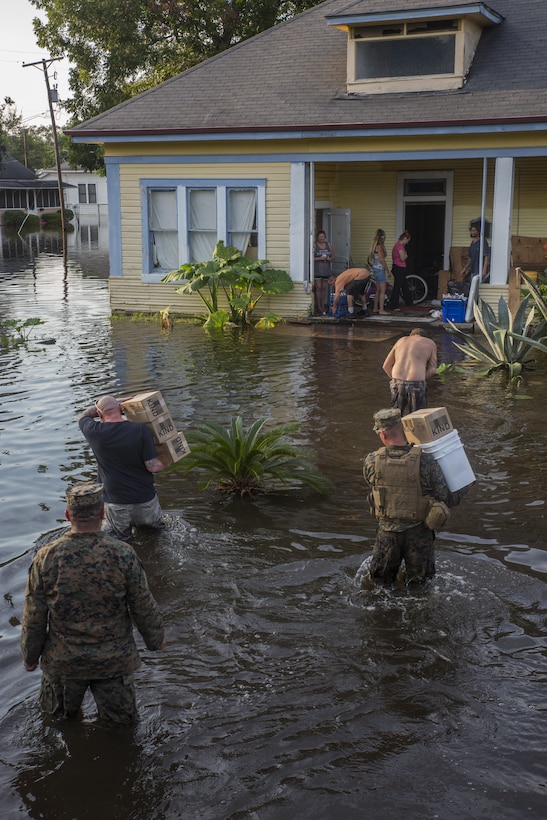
(432, 483)
(82, 593)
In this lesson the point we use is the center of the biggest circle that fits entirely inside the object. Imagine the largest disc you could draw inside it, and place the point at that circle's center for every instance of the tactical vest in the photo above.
(397, 491)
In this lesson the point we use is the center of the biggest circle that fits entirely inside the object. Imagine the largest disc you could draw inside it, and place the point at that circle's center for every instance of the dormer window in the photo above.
(409, 50)
(428, 50)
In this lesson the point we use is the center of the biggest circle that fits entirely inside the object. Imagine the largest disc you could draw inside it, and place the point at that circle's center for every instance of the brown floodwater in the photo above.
(286, 691)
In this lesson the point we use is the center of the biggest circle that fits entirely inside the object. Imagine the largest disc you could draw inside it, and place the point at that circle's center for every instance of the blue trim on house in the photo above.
(415, 14)
(330, 131)
(323, 156)
(114, 218)
(146, 184)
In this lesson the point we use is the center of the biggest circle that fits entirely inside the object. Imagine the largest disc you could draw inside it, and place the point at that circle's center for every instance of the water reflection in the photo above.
(84, 771)
(286, 690)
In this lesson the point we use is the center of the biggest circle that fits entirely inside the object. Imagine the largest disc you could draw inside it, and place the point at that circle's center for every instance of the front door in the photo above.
(426, 223)
(424, 207)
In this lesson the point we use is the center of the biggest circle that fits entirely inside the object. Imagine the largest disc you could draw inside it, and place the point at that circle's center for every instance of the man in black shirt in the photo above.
(127, 460)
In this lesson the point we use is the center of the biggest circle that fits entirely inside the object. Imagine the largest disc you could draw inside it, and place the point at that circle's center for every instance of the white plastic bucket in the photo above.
(448, 452)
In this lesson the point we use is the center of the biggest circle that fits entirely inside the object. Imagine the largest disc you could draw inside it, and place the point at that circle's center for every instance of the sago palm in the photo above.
(244, 462)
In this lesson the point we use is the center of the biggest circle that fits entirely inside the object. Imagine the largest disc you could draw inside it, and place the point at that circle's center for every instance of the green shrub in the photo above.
(14, 219)
(246, 462)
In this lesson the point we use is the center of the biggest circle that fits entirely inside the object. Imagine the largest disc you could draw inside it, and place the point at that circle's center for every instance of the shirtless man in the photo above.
(353, 281)
(411, 361)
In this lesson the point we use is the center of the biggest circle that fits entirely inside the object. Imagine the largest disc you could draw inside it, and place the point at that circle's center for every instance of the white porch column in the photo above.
(500, 259)
(298, 229)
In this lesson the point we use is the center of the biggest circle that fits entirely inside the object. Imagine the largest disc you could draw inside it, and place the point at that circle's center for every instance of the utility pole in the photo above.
(45, 64)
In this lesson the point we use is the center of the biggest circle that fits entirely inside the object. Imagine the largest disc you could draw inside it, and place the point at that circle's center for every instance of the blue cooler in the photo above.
(454, 310)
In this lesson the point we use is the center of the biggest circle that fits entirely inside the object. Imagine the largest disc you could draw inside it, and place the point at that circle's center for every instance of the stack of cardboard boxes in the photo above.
(151, 409)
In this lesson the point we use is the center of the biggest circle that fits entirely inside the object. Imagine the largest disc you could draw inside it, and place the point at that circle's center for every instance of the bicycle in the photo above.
(416, 285)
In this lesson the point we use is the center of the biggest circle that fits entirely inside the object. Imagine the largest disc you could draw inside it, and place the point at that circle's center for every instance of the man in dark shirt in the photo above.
(127, 460)
(474, 266)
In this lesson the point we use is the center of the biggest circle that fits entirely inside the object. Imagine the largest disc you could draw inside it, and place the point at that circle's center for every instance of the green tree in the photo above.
(8, 118)
(33, 146)
(118, 48)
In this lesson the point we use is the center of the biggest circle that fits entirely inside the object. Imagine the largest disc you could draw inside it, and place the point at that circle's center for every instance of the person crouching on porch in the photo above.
(353, 281)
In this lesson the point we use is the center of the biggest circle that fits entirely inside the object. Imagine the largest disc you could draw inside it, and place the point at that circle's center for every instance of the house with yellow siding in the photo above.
(396, 114)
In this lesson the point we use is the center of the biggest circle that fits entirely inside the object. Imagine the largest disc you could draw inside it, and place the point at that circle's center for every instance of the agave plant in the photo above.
(510, 342)
(537, 295)
(244, 462)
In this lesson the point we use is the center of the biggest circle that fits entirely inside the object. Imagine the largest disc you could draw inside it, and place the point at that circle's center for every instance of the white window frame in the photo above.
(182, 187)
(412, 82)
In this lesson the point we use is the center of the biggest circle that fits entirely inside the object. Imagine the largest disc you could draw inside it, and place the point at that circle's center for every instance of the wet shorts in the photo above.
(408, 396)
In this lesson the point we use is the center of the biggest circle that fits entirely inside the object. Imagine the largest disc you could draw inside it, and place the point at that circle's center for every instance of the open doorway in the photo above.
(426, 223)
(424, 208)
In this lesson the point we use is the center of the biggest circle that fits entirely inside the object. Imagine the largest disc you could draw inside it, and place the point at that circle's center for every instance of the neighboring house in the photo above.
(86, 193)
(22, 190)
(418, 114)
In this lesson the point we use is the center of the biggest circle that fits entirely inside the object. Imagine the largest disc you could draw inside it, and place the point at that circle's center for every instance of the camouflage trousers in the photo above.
(408, 396)
(115, 697)
(414, 546)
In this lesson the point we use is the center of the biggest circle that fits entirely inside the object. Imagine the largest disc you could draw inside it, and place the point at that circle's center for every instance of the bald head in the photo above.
(107, 403)
(108, 408)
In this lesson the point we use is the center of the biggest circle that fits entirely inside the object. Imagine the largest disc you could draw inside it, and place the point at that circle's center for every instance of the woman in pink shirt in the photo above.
(400, 285)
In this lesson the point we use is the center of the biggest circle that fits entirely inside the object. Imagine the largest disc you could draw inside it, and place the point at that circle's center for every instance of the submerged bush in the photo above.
(244, 462)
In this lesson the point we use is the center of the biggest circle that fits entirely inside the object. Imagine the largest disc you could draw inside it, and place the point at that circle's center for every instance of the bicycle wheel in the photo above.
(417, 287)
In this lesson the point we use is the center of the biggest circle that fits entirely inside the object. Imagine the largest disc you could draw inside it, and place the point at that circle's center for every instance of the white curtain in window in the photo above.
(203, 224)
(241, 217)
(163, 227)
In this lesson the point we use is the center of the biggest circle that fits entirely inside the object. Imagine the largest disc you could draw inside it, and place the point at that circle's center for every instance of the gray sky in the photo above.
(27, 86)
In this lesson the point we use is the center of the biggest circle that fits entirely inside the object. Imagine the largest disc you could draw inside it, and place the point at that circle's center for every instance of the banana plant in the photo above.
(242, 282)
(509, 341)
(244, 462)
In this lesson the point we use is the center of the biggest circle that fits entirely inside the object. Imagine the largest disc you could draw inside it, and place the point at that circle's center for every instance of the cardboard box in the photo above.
(429, 424)
(162, 428)
(145, 407)
(173, 449)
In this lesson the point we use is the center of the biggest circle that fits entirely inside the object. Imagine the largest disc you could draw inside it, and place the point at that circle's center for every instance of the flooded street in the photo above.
(286, 691)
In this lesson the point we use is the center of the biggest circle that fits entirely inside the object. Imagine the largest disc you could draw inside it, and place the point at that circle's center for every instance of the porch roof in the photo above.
(291, 79)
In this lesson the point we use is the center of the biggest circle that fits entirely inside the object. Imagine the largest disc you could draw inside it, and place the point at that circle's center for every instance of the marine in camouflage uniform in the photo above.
(83, 594)
(398, 538)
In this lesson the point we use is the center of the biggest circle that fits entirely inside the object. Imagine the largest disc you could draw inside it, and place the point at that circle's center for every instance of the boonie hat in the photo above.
(81, 498)
(384, 419)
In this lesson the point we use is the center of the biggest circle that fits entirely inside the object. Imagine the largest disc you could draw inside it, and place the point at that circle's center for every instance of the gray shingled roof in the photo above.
(292, 77)
(14, 176)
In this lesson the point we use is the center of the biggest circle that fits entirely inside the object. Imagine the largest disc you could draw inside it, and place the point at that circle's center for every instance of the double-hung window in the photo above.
(87, 193)
(184, 219)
